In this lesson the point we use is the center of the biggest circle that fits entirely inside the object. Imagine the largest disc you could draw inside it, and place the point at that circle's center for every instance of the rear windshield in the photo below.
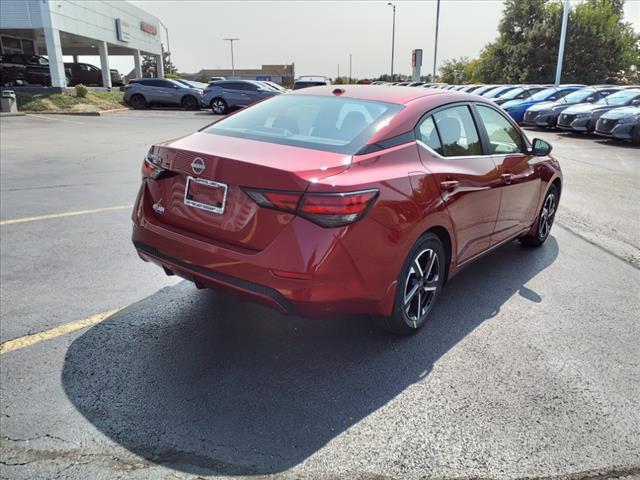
(332, 124)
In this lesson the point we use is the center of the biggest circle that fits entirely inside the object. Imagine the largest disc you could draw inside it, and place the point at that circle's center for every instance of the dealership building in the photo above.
(79, 27)
(282, 74)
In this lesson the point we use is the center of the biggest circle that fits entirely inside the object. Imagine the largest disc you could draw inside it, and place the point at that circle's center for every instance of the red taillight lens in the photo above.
(325, 209)
(285, 201)
(151, 166)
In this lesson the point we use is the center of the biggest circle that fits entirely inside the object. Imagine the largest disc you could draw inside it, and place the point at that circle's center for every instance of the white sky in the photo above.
(318, 36)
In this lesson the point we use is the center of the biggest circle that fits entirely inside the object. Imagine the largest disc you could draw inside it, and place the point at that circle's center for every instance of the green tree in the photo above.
(202, 78)
(149, 65)
(600, 45)
(456, 71)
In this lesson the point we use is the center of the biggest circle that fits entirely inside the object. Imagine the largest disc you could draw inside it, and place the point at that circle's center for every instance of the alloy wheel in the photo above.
(421, 286)
(218, 106)
(547, 215)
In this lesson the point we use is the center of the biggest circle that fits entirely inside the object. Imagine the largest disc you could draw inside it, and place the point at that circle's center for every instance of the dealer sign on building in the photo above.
(148, 28)
(122, 30)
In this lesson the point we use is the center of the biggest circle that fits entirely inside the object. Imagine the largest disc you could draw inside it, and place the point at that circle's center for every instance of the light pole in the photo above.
(563, 35)
(435, 48)
(233, 66)
(166, 31)
(349, 68)
(393, 36)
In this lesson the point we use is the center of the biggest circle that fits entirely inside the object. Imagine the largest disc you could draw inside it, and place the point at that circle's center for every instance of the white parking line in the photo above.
(62, 215)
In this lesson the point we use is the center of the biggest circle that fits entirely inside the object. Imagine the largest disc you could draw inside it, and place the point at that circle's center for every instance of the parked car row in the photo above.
(607, 110)
(17, 69)
(220, 95)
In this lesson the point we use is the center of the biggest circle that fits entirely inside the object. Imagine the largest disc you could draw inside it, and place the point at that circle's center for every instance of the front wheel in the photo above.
(419, 284)
(545, 219)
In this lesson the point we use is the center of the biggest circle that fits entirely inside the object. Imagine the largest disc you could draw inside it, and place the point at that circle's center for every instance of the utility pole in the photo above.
(338, 70)
(393, 36)
(563, 35)
(435, 48)
(350, 68)
(233, 65)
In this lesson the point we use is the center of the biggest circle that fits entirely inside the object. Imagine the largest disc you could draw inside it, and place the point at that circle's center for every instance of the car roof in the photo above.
(382, 93)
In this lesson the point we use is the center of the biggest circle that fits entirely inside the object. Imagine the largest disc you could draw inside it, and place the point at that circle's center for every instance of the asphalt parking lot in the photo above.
(530, 367)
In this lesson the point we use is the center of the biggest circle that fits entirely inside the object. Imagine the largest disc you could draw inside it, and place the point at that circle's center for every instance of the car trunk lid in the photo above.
(216, 169)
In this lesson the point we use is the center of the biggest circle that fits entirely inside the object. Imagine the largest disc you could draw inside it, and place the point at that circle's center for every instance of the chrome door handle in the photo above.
(449, 184)
(507, 177)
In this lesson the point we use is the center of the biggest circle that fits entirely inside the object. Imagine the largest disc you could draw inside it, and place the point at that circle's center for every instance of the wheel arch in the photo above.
(138, 94)
(557, 182)
(445, 238)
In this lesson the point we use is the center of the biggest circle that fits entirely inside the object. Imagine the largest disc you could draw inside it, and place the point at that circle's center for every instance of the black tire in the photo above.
(408, 317)
(138, 102)
(189, 102)
(635, 135)
(219, 106)
(544, 220)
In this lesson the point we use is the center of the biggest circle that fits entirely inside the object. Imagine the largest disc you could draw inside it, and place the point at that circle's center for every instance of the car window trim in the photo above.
(433, 111)
(487, 140)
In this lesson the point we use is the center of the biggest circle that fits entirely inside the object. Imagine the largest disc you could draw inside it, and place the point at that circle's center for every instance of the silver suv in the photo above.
(227, 94)
(143, 92)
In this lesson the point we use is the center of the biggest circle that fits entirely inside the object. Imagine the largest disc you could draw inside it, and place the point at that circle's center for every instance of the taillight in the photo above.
(151, 165)
(325, 209)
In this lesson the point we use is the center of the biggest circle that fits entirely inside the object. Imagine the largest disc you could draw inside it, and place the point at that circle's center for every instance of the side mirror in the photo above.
(540, 148)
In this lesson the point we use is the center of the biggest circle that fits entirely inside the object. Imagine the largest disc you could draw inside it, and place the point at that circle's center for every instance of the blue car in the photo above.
(516, 108)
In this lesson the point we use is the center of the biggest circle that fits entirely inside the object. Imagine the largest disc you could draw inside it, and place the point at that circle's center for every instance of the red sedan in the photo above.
(358, 199)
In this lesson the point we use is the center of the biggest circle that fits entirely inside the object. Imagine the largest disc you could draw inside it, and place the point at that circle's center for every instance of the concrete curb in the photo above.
(82, 114)
(12, 114)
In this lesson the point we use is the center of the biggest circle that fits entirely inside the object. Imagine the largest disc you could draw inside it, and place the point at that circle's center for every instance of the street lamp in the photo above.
(435, 48)
(233, 66)
(393, 36)
(563, 36)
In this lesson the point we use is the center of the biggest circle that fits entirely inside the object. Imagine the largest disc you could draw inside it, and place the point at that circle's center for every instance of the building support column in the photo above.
(104, 64)
(159, 67)
(56, 61)
(137, 64)
(75, 59)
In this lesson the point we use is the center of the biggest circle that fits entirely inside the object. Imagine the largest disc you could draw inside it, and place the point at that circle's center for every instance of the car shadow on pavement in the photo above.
(200, 383)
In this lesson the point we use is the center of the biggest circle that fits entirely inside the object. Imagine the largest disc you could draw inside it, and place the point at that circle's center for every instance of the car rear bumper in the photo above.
(328, 281)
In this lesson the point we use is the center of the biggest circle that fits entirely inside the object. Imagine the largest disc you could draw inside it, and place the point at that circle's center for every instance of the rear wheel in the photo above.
(545, 219)
(137, 101)
(218, 106)
(190, 102)
(419, 284)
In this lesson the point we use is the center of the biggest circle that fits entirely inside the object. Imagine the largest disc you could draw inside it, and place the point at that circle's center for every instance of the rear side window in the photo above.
(503, 136)
(148, 83)
(428, 134)
(233, 85)
(458, 132)
(333, 124)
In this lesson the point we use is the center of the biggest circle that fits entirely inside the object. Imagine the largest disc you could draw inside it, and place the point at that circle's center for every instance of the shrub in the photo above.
(81, 90)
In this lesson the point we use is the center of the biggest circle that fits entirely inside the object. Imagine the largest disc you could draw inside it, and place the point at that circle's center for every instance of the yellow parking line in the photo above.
(28, 340)
(62, 215)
